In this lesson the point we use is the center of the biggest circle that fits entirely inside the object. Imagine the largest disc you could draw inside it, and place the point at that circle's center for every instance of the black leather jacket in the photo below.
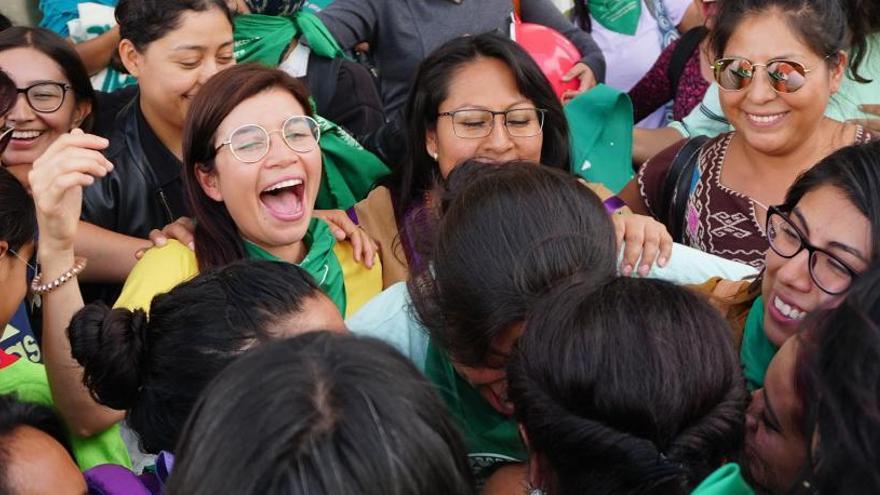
(134, 198)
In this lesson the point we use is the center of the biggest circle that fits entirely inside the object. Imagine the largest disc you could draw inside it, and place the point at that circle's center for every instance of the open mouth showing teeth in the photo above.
(284, 199)
(26, 134)
(788, 311)
(765, 119)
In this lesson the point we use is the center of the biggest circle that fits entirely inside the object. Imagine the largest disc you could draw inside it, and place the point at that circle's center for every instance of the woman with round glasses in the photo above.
(779, 63)
(825, 233)
(252, 173)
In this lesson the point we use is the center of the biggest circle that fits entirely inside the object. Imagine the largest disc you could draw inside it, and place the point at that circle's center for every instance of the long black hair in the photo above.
(318, 414)
(155, 368)
(506, 234)
(430, 89)
(631, 388)
(838, 368)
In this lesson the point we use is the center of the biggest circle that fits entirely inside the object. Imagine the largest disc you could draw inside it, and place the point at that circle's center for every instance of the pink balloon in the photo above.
(553, 52)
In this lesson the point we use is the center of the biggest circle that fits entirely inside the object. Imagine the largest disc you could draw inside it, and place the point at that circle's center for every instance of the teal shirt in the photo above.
(757, 351)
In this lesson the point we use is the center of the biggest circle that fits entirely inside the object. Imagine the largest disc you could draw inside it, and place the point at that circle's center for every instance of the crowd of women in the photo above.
(210, 287)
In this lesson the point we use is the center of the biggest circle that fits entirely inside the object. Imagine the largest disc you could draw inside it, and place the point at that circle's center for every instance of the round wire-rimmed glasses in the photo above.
(830, 274)
(249, 143)
(474, 123)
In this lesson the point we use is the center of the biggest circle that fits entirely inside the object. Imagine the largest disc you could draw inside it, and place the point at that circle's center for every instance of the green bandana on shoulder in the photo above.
(620, 16)
(320, 261)
(490, 437)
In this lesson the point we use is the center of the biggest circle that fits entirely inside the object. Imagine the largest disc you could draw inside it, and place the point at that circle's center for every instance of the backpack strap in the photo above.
(682, 53)
(677, 186)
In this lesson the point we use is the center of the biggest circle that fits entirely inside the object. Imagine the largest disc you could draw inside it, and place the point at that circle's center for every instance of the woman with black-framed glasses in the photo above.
(821, 239)
(779, 62)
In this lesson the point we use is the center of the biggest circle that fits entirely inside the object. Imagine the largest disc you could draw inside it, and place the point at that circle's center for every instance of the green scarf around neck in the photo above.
(320, 261)
(486, 432)
(265, 38)
(619, 16)
(757, 351)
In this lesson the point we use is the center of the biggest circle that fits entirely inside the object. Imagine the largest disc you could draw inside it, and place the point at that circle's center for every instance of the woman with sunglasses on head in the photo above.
(779, 61)
(825, 233)
(252, 172)
(814, 426)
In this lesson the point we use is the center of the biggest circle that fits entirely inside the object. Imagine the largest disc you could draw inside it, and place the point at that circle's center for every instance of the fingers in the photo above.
(575, 71)
(871, 124)
(650, 250)
(364, 247)
(665, 248)
(632, 249)
(157, 237)
(182, 230)
(871, 108)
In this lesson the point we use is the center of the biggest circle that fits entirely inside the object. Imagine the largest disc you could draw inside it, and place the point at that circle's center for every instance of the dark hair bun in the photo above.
(110, 345)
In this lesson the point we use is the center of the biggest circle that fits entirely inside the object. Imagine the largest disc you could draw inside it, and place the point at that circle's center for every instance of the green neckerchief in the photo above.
(485, 430)
(726, 480)
(757, 351)
(620, 16)
(265, 38)
(320, 261)
(350, 171)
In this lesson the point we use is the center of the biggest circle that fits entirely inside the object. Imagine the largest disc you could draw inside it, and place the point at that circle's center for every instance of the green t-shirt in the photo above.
(29, 382)
(757, 351)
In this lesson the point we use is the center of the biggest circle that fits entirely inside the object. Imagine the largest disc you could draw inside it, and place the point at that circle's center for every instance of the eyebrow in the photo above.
(198, 47)
(469, 106)
(833, 244)
(805, 227)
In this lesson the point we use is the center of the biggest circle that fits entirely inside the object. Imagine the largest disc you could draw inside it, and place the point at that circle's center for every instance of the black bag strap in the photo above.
(677, 186)
(682, 53)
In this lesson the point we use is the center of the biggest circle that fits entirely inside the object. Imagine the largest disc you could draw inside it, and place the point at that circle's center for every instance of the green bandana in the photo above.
(757, 351)
(350, 171)
(265, 38)
(320, 261)
(620, 16)
(726, 480)
(489, 436)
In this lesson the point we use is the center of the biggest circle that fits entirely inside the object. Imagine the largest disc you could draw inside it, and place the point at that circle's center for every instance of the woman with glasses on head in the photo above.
(825, 233)
(779, 62)
(252, 172)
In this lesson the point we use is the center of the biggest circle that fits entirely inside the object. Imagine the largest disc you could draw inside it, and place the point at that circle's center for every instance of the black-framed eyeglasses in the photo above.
(472, 123)
(829, 273)
(45, 96)
(249, 143)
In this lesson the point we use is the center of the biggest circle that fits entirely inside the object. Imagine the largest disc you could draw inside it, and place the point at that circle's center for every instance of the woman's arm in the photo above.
(111, 254)
(97, 52)
(350, 21)
(58, 176)
(543, 12)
